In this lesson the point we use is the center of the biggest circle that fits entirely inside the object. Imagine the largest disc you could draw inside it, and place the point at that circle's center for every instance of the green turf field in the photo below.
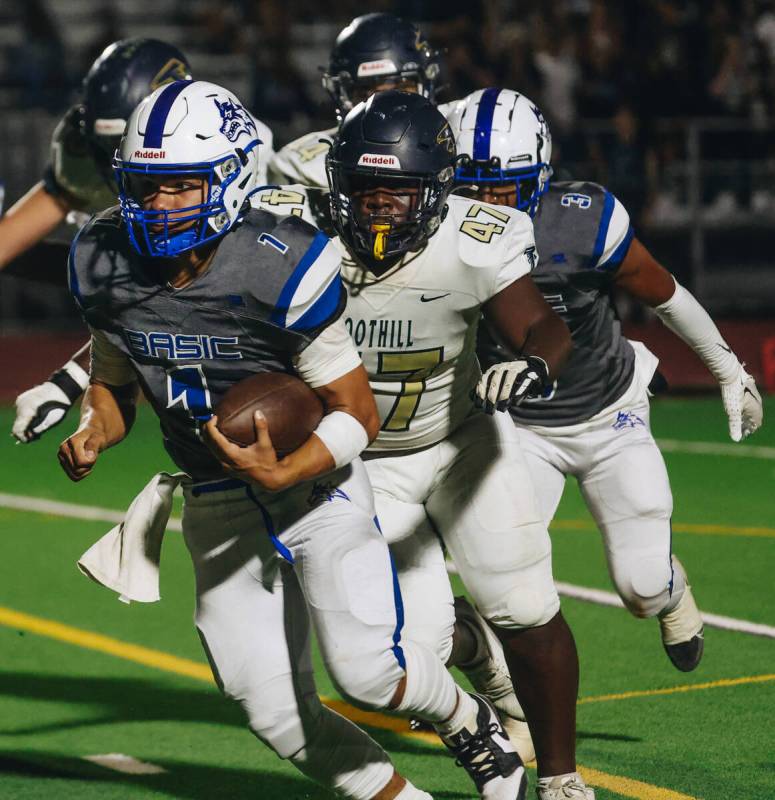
(65, 696)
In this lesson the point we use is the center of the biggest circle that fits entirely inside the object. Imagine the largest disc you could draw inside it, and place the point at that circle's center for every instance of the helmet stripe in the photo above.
(483, 127)
(154, 131)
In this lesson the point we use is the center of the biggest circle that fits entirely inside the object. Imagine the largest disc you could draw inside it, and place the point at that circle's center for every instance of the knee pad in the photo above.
(342, 757)
(526, 606)
(644, 584)
(282, 723)
(369, 680)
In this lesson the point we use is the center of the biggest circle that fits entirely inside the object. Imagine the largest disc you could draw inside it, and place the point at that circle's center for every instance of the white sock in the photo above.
(410, 792)
(463, 717)
(558, 781)
(431, 693)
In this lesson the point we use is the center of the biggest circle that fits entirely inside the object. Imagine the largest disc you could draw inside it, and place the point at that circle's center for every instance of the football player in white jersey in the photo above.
(420, 267)
(274, 548)
(594, 422)
(375, 52)
(79, 182)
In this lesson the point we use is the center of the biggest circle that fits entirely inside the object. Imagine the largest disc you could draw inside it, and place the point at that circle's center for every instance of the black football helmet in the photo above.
(400, 143)
(378, 49)
(125, 73)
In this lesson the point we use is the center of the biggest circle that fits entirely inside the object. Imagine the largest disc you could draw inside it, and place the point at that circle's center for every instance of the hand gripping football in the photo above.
(291, 408)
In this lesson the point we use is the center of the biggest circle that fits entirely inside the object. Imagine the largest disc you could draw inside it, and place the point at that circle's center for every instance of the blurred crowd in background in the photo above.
(667, 102)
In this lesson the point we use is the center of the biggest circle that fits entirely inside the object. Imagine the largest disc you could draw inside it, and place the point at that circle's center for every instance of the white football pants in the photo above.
(254, 608)
(623, 480)
(474, 492)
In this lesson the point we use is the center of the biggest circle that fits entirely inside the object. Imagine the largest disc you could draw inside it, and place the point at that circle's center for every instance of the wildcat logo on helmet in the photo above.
(236, 120)
(173, 70)
(377, 160)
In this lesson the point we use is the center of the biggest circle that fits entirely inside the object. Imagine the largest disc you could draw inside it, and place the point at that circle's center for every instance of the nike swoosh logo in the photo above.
(746, 390)
(728, 349)
(424, 299)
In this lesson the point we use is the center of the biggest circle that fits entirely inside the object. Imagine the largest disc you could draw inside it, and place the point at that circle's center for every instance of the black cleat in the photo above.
(489, 757)
(686, 655)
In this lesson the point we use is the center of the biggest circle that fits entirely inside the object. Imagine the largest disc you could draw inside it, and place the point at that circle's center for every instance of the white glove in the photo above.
(743, 405)
(45, 405)
(509, 383)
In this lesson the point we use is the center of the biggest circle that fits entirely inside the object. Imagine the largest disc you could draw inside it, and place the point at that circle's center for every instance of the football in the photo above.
(291, 408)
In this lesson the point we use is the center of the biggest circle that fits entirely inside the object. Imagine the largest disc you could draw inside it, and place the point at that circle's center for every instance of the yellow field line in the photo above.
(678, 527)
(623, 786)
(690, 687)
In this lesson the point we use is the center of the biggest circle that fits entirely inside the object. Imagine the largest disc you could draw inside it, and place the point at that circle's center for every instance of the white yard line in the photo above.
(602, 598)
(716, 448)
(126, 764)
(597, 596)
(22, 502)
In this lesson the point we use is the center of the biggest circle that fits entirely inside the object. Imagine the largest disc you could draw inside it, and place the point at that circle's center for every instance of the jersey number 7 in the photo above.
(417, 366)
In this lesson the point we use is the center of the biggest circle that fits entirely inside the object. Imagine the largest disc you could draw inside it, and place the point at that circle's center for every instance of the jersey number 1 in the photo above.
(187, 387)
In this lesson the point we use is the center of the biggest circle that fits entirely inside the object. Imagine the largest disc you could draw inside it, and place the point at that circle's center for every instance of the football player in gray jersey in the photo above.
(187, 290)
(79, 182)
(593, 422)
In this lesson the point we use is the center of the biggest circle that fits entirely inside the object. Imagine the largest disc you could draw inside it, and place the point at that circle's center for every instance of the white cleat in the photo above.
(681, 628)
(489, 675)
(489, 757)
(564, 787)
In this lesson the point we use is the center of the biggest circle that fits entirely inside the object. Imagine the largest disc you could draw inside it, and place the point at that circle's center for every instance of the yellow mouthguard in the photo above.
(380, 241)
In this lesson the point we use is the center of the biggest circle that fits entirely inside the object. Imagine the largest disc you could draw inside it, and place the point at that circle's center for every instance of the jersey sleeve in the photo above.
(302, 161)
(521, 255)
(328, 357)
(614, 236)
(312, 296)
(109, 364)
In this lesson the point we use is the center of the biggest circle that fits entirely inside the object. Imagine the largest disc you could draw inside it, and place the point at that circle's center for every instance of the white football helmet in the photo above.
(502, 138)
(186, 129)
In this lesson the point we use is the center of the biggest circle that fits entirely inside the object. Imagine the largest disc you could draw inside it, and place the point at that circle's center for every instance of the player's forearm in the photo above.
(692, 323)
(30, 219)
(549, 339)
(109, 410)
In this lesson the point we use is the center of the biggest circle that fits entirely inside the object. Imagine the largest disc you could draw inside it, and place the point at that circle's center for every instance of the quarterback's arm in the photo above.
(28, 220)
(642, 276)
(526, 324)
(107, 410)
(331, 367)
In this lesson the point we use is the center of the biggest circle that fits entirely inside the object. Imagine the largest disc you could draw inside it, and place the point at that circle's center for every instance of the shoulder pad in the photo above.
(488, 235)
(303, 160)
(303, 265)
(92, 264)
(577, 194)
(283, 201)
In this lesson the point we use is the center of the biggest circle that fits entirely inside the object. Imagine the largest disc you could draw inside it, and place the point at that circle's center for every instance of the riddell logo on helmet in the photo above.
(150, 154)
(382, 67)
(377, 160)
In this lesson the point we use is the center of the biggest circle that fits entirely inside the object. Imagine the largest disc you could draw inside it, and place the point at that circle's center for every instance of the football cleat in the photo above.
(682, 632)
(489, 675)
(564, 787)
(489, 757)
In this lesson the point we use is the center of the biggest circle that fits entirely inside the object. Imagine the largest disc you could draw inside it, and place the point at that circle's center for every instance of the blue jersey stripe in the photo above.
(618, 255)
(292, 284)
(323, 309)
(602, 231)
(154, 131)
(483, 126)
(72, 274)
